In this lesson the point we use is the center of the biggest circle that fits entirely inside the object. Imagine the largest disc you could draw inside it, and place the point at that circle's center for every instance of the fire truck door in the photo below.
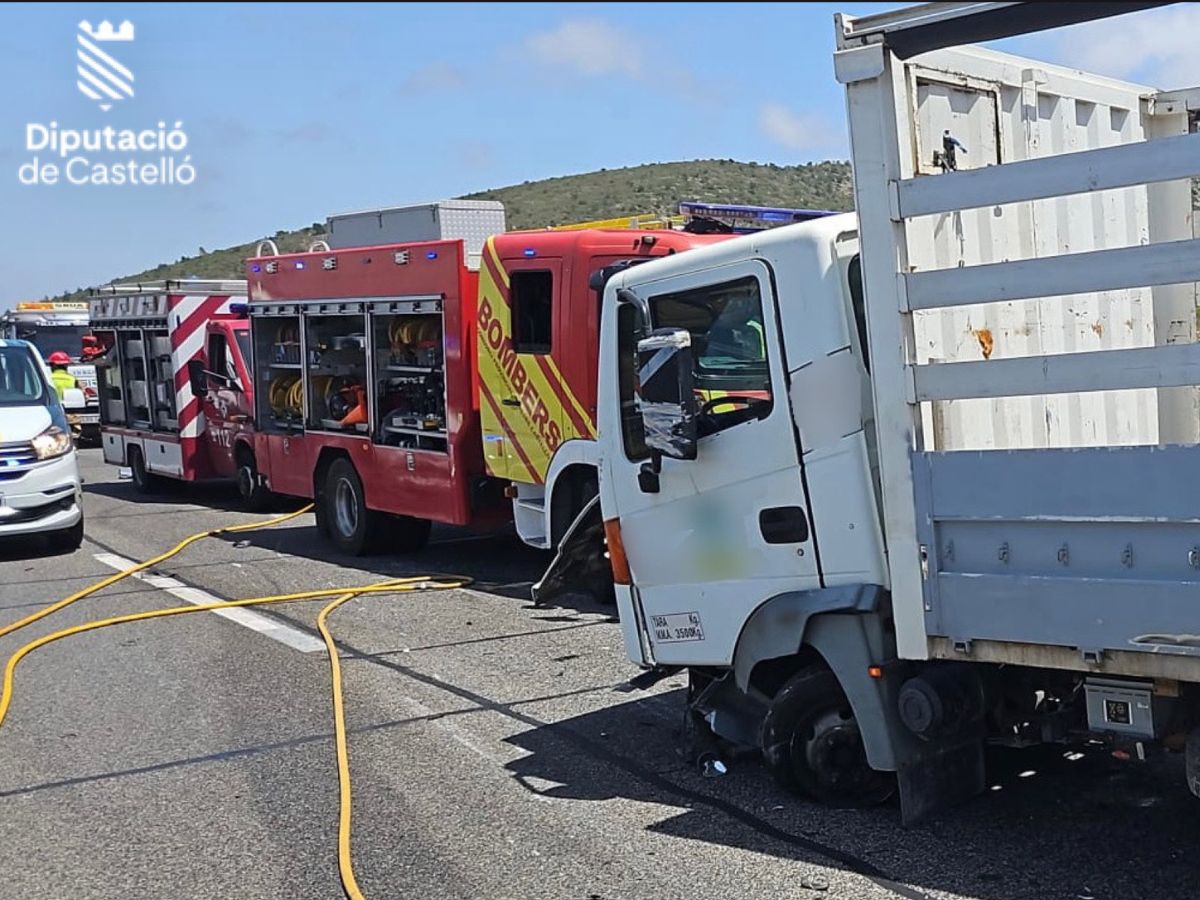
(222, 402)
(528, 397)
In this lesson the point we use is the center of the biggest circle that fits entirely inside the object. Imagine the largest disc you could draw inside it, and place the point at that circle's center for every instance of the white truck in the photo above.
(895, 485)
(62, 325)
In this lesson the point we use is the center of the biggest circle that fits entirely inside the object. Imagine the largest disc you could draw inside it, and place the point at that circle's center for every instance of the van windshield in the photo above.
(21, 383)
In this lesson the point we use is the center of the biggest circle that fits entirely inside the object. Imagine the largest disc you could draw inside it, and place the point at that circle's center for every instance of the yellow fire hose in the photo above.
(341, 595)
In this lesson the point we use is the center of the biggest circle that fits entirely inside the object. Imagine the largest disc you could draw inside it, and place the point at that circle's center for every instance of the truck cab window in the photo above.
(855, 283)
(633, 433)
(531, 294)
(243, 342)
(220, 361)
(733, 380)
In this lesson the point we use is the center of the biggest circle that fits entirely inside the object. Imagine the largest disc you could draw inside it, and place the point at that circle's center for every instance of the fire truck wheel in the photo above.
(812, 745)
(256, 496)
(353, 528)
(144, 482)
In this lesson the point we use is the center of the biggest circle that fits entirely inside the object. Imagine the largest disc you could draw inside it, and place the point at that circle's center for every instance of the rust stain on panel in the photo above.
(986, 343)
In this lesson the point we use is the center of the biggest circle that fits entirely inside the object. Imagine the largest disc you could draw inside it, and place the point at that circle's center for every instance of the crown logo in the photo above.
(106, 32)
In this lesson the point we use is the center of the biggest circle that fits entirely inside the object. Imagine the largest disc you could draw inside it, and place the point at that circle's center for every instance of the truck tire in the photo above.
(144, 482)
(352, 527)
(256, 497)
(410, 534)
(812, 745)
(69, 539)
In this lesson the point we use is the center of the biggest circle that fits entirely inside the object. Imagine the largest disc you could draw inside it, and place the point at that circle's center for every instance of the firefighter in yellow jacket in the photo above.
(59, 376)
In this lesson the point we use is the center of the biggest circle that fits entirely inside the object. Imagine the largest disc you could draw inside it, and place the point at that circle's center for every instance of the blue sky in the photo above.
(304, 110)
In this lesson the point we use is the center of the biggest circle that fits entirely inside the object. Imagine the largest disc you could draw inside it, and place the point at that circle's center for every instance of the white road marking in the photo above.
(267, 627)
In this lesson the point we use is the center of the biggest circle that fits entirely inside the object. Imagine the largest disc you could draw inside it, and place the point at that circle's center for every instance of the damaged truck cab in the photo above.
(897, 485)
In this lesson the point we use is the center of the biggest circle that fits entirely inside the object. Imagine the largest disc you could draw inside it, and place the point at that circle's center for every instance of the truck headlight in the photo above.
(51, 443)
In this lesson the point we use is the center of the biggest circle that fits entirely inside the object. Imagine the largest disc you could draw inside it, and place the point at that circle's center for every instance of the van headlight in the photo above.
(51, 443)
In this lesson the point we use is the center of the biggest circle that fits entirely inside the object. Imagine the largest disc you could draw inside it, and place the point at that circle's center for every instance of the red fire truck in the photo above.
(425, 381)
(176, 394)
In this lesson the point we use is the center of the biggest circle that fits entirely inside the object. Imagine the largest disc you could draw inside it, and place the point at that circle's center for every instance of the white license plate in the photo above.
(675, 627)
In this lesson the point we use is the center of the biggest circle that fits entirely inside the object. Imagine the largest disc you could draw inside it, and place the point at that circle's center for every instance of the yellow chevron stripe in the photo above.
(583, 414)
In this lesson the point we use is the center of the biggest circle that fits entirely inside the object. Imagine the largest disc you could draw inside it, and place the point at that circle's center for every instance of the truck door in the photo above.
(730, 528)
(223, 401)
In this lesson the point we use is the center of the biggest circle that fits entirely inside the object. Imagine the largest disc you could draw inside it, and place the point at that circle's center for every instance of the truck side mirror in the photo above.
(198, 377)
(665, 393)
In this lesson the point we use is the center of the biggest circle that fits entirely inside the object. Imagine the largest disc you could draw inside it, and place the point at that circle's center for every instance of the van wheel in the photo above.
(352, 527)
(69, 539)
(144, 482)
(812, 745)
(256, 496)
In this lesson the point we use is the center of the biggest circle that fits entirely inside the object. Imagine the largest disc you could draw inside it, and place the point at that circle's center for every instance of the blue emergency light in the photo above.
(745, 219)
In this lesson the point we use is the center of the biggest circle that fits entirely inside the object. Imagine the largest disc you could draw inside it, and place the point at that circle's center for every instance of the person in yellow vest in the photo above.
(59, 376)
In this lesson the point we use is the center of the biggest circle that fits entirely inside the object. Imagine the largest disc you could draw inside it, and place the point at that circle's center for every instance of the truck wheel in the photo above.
(69, 539)
(256, 496)
(411, 535)
(352, 527)
(812, 745)
(144, 482)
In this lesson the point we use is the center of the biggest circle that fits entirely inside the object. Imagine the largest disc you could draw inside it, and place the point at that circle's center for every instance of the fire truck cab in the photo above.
(537, 341)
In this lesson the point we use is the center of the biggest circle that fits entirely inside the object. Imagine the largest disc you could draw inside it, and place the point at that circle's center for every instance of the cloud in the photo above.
(588, 46)
(1158, 46)
(438, 76)
(797, 131)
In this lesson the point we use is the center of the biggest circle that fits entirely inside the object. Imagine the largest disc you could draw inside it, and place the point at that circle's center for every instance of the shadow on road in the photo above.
(1058, 822)
(33, 546)
(214, 494)
(499, 563)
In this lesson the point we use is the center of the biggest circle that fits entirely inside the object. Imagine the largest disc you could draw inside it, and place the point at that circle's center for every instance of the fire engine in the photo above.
(426, 365)
(174, 381)
(62, 326)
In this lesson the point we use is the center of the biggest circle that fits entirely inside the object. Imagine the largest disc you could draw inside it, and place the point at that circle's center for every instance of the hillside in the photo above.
(656, 187)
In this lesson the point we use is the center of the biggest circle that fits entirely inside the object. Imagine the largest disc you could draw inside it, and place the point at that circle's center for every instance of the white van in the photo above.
(40, 490)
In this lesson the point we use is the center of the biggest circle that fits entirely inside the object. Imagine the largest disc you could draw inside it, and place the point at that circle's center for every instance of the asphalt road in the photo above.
(495, 750)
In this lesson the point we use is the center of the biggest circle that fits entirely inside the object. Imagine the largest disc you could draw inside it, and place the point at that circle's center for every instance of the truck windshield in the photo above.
(21, 384)
(49, 338)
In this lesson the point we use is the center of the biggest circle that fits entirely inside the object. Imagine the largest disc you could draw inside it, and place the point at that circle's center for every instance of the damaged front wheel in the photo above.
(812, 745)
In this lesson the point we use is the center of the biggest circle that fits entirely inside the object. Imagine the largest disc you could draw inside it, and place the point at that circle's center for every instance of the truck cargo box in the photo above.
(471, 221)
(1031, 301)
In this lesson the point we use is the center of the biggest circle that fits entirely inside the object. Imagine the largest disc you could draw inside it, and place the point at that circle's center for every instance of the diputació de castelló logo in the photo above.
(108, 156)
(100, 75)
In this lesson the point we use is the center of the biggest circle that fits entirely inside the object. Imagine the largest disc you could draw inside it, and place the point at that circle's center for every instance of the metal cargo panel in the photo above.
(471, 221)
(1003, 110)
(1063, 547)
